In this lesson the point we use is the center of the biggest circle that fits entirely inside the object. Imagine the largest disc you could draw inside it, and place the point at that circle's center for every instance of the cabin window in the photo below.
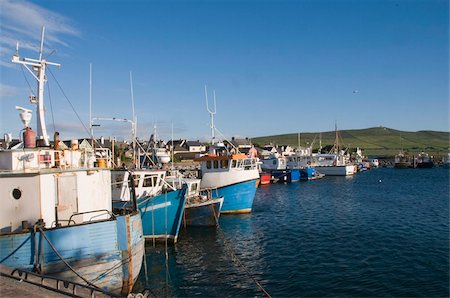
(234, 163)
(193, 187)
(208, 164)
(274, 162)
(136, 180)
(224, 164)
(119, 181)
(216, 164)
(16, 193)
(148, 181)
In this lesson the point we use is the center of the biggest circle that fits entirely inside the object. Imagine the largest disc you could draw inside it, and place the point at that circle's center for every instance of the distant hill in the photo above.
(375, 141)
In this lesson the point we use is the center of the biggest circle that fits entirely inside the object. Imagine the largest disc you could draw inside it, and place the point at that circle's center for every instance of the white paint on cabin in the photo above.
(50, 184)
(147, 183)
(221, 173)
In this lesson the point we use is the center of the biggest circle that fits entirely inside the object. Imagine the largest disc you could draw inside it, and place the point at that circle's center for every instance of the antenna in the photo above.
(90, 103)
(211, 113)
(42, 43)
(134, 119)
(37, 70)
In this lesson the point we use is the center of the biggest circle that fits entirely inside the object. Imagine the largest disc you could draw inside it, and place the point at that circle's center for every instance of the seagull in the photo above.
(355, 91)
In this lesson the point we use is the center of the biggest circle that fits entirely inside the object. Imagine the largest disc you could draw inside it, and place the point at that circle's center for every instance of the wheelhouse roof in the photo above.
(213, 157)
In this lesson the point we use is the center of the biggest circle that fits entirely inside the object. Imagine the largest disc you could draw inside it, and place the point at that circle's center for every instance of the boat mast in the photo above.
(211, 113)
(320, 143)
(38, 72)
(336, 140)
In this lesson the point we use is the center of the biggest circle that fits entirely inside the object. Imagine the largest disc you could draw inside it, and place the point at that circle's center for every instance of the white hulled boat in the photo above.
(335, 163)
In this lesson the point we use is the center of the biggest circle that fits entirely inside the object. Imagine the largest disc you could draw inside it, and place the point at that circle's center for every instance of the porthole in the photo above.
(16, 193)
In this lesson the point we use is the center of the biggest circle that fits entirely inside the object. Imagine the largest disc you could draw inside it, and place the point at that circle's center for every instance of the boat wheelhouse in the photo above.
(235, 177)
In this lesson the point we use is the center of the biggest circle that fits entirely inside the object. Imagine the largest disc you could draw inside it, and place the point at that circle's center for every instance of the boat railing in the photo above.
(59, 285)
(57, 223)
(111, 215)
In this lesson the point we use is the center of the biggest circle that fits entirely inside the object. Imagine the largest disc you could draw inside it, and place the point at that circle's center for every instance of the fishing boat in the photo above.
(235, 176)
(273, 162)
(336, 162)
(56, 217)
(160, 204)
(202, 209)
(423, 161)
(403, 161)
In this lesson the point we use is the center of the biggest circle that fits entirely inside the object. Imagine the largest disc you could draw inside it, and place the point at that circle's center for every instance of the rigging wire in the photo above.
(70, 103)
(78, 116)
(28, 83)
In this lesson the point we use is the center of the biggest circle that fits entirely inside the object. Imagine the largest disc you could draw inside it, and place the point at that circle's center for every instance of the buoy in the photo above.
(379, 181)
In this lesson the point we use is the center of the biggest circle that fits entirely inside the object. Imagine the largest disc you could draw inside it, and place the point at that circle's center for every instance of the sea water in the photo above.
(380, 233)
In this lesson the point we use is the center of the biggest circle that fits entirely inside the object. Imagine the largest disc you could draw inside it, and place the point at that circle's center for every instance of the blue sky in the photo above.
(276, 66)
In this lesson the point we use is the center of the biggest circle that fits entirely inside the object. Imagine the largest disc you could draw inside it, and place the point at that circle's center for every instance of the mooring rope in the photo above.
(235, 258)
(65, 262)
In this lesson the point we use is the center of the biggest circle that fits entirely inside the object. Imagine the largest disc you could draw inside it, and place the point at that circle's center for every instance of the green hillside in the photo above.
(375, 141)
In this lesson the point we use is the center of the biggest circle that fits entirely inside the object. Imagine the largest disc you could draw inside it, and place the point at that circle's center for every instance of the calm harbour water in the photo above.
(381, 233)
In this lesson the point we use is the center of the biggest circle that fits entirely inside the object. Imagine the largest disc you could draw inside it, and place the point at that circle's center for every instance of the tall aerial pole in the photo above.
(90, 105)
(133, 121)
(38, 72)
(211, 113)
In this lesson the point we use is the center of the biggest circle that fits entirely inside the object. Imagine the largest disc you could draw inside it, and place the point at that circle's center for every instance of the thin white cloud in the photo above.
(21, 21)
(7, 91)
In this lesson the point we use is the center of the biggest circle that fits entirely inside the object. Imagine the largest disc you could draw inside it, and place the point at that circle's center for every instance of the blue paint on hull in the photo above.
(308, 173)
(238, 198)
(95, 250)
(295, 175)
(287, 176)
(201, 215)
(162, 214)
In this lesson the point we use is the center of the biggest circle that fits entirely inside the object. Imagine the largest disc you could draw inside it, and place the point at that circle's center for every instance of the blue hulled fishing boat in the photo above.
(160, 204)
(56, 217)
(235, 177)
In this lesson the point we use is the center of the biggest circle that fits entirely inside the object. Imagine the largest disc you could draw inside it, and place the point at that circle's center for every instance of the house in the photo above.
(195, 146)
(243, 145)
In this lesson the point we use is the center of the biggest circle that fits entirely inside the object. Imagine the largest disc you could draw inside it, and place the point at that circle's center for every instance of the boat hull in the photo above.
(403, 165)
(336, 170)
(425, 165)
(238, 198)
(162, 215)
(308, 173)
(265, 178)
(107, 253)
(204, 214)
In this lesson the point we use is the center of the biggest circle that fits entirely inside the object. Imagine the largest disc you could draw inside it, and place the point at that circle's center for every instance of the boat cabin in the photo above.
(147, 183)
(51, 185)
